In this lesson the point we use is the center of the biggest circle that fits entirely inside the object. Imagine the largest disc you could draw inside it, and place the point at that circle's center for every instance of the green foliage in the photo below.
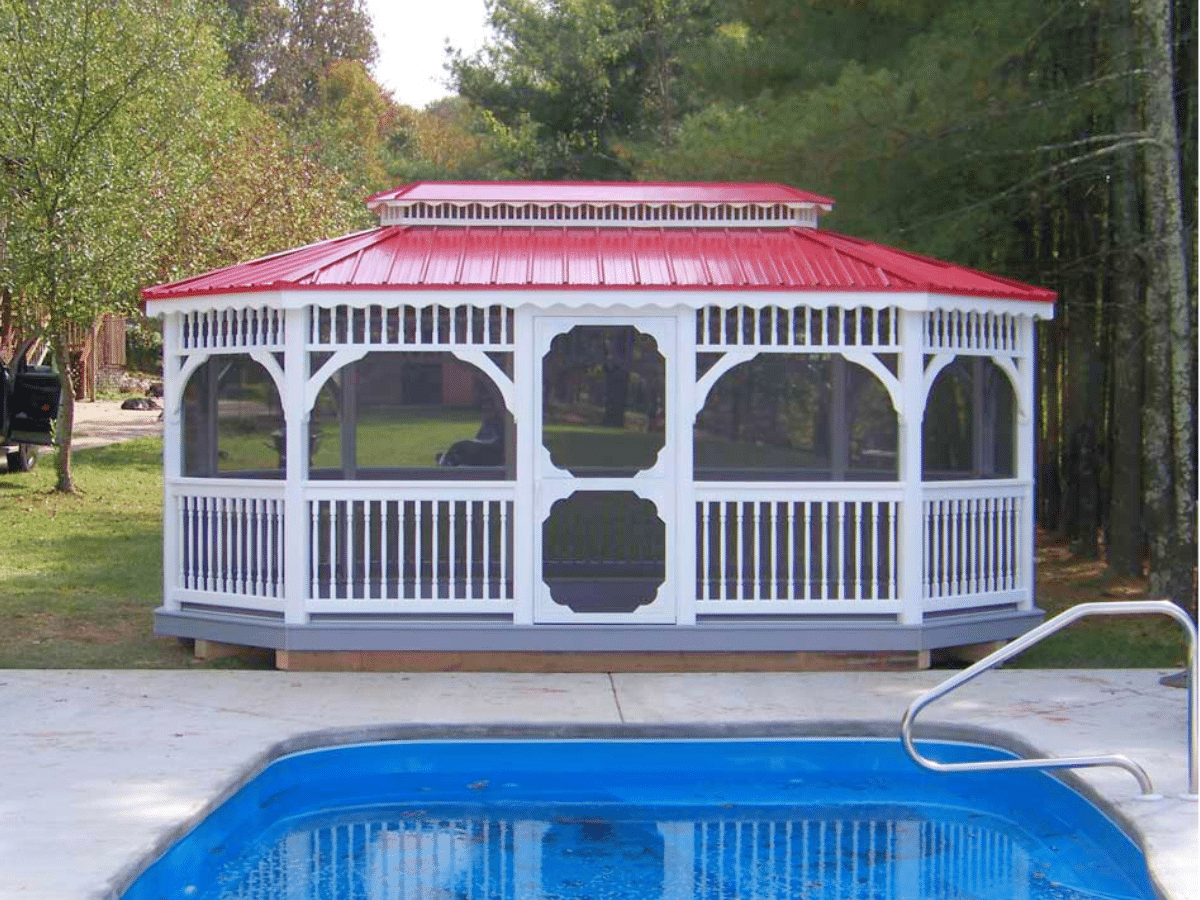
(143, 345)
(259, 195)
(567, 82)
(100, 106)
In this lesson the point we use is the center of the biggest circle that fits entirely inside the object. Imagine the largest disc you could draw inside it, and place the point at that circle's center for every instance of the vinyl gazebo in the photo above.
(584, 418)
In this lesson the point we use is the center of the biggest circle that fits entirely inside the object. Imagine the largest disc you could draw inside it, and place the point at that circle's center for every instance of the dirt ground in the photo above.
(100, 422)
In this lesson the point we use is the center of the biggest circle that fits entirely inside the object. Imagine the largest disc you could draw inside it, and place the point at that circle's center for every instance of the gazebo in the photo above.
(598, 417)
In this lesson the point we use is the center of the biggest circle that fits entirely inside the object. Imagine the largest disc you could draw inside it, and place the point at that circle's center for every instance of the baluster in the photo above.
(205, 539)
(985, 536)
(928, 545)
(352, 519)
(739, 526)
(504, 551)
(254, 550)
(222, 520)
(465, 562)
(314, 550)
(367, 555)
(874, 591)
(237, 581)
(789, 567)
(944, 558)
(419, 518)
(703, 550)
(772, 548)
(335, 515)
(385, 550)
(856, 560)
(485, 549)
(756, 560)
(958, 545)
(840, 537)
(183, 528)
(1007, 523)
(277, 548)
(722, 552)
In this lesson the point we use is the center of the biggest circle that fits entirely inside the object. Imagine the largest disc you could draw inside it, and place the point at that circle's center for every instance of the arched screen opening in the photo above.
(603, 401)
(233, 423)
(796, 417)
(406, 415)
(970, 423)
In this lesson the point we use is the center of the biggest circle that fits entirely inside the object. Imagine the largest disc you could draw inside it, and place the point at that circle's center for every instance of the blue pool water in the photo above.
(763, 819)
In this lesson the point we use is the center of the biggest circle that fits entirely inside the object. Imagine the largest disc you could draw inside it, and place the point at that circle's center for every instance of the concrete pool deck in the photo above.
(97, 767)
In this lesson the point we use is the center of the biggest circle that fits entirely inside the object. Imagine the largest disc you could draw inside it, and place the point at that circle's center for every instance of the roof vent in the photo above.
(617, 204)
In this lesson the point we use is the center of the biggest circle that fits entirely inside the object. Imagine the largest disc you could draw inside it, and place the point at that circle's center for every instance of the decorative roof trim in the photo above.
(623, 204)
(599, 300)
(600, 215)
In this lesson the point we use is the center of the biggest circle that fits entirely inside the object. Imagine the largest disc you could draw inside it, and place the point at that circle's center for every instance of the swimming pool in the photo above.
(728, 819)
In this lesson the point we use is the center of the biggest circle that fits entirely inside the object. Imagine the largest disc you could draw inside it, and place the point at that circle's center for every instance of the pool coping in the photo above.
(318, 739)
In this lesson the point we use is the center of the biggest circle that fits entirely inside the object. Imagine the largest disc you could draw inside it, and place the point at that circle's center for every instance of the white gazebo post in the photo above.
(172, 462)
(296, 521)
(1026, 363)
(910, 418)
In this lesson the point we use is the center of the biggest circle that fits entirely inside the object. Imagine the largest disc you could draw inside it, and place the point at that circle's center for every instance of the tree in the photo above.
(1050, 143)
(568, 82)
(255, 197)
(1169, 420)
(307, 64)
(100, 103)
(280, 50)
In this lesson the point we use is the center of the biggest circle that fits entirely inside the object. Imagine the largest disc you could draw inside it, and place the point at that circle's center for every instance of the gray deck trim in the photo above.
(844, 636)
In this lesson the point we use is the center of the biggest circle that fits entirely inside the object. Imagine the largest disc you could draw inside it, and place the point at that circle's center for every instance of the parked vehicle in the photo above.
(29, 399)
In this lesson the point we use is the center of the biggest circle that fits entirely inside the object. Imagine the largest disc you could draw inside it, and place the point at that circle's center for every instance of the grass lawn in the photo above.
(82, 574)
(80, 577)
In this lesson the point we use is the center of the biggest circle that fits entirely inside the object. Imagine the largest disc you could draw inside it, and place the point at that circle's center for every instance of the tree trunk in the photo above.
(1080, 471)
(1125, 542)
(1126, 535)
(1171, 350)
(65, 482)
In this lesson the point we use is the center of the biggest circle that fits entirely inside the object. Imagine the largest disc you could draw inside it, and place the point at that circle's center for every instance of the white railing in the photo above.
(230, 329)
(431, 548)
(972, 332)
(486, 327)
(438, 547)
(974, 543)
(783, 549)
(230, 547)
(795, 328)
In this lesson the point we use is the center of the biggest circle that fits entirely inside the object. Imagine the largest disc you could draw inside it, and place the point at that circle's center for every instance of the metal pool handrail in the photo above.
(1121, 607)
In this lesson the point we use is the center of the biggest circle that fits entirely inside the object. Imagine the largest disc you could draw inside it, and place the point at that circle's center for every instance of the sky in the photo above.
(412, 34)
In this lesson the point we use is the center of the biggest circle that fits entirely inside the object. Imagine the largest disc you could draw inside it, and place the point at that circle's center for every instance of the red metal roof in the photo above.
(569, 192)
(599, 258)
